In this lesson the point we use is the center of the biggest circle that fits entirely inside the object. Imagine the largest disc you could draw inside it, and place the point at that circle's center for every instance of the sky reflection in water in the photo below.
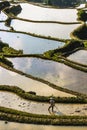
(54, 72)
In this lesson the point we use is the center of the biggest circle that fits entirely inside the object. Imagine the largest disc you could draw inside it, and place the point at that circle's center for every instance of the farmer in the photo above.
(52, 104)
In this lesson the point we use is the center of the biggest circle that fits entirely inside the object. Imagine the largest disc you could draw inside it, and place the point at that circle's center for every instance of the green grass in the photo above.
(27, 96)
(24, 117)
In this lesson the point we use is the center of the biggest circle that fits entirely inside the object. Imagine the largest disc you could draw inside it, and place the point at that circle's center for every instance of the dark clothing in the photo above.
(52, 104)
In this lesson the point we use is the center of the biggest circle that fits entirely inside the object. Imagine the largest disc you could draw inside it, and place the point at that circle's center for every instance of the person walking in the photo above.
(52, 104)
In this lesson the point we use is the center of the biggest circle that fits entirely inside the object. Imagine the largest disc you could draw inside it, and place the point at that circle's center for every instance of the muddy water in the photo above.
(54, 72)
(27, 84)
(44, 29)
(18, 126)
(13, 101)
(29, 44)
(47, 14)
(79, 56)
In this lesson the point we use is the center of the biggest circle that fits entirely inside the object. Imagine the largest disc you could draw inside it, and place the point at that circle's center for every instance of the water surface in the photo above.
(11, 100)
(79, 56)
(38, 13)
(81, 6)
(10, 78)
(18, 126)
(29, 44)
(45, 29)
(3, 16)
(2, 26)
(54, 72)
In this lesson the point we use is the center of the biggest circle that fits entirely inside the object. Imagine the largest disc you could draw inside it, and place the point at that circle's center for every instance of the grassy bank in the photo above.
(28, 96)
(80, 33)
(23, 117)
(40, 80)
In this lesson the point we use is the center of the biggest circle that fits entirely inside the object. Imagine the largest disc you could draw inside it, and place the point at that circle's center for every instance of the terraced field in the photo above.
(29, 77)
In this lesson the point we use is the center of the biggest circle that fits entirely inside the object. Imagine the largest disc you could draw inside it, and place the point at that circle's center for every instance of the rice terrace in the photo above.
(43, 64)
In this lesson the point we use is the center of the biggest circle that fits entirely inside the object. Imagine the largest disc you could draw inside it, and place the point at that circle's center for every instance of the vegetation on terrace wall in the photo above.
(15, 10)
(60, 3)
(81, 32)
(24, 117)
(5, 61)
(65, 50)
(4, 4)
(5, 49)
(28, 96)
(82, 15)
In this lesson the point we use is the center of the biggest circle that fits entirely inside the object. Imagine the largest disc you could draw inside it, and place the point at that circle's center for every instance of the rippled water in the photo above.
(3, 16)
(2, 26)
(54, 72)
(11, 100)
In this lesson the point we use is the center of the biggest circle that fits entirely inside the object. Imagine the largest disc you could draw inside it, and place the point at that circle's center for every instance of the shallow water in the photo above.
(27, 84)
(2, 26)
(29, 44)
(18, 126)
(45, 29)
(11, 100)
(47, 14)
(81, 6)
(2, 16)
(54, 72)
(79, 56)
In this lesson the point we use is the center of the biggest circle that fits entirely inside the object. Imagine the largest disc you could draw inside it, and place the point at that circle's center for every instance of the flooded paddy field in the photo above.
(54, 72)
(16, 102)
(61, 31)
(2, 26)
(79, 56)
(47, 14)
(29, 44)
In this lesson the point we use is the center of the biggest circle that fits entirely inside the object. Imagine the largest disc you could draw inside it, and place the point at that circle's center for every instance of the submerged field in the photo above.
(35, 65)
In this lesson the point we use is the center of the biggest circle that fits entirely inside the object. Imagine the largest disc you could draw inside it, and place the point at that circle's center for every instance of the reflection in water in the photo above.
(18, 126)
(79, 56)
(47, 14)
(29, 44)
(13, 101)
(54, 72)
(2, 26)
(45, 29)
(27, 84)
(2, 16)
(81, 6)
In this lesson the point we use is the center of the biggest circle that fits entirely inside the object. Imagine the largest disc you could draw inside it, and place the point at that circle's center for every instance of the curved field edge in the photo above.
(42, 80)
(60, 59)
(26, 95)
(12, 16)
(24, 117)
(34, 35)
